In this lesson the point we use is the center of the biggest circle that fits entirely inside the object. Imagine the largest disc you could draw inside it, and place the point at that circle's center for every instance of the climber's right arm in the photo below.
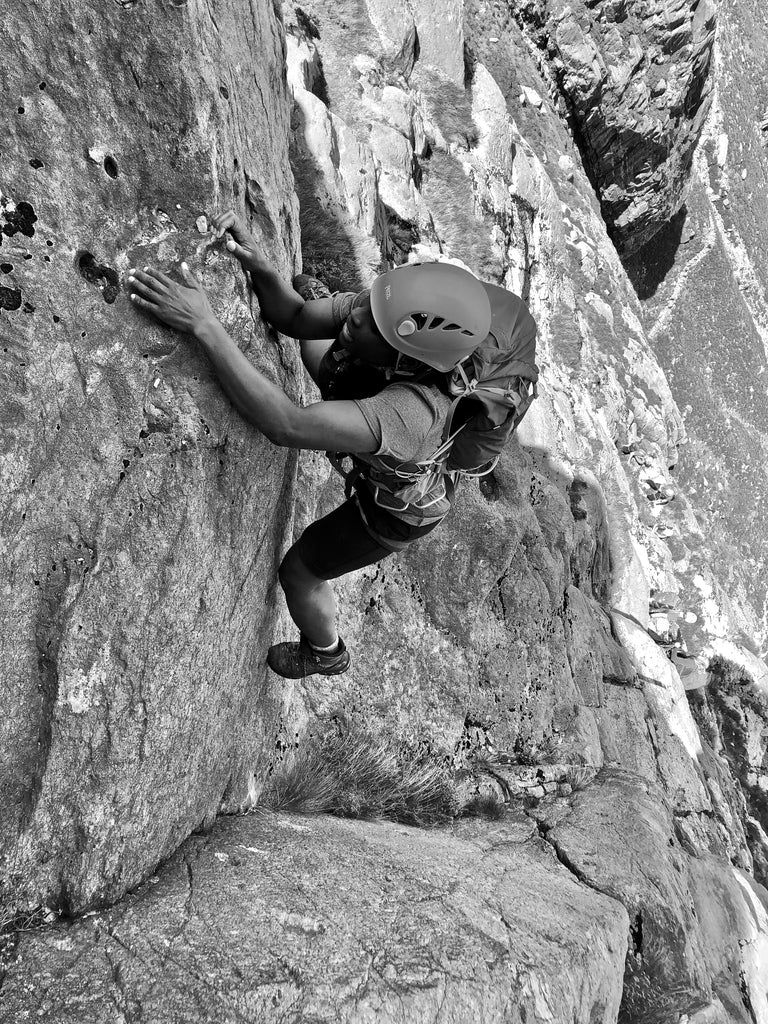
(280, 305)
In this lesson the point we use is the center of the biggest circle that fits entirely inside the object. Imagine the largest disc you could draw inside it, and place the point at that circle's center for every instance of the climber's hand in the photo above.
(185, 309)
(242, 245)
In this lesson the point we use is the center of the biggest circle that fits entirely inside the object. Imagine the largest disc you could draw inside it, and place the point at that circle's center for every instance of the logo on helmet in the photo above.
(388, 292)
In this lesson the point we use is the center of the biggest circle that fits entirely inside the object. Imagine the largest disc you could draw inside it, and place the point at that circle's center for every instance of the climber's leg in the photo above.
(311, 601)
(331, 547)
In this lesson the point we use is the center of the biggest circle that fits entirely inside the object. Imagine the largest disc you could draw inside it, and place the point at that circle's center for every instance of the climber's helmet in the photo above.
(436, 313)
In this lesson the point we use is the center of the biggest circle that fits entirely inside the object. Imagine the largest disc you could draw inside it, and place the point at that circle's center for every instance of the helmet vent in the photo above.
(420, 319)
(452, 327)
(436, 321)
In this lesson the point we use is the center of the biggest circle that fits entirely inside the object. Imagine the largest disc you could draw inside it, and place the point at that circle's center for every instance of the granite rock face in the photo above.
(138, 547)
(635, 79)
(520, 636)
(278, 919)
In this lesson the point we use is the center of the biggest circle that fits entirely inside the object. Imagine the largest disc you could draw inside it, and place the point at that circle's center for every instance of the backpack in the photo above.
(493, 388)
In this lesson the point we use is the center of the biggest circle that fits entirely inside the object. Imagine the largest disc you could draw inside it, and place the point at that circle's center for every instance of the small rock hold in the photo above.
(532, 96)
(202, 225)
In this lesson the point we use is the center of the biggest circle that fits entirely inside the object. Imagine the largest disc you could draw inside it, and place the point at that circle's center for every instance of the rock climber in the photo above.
(381, 403)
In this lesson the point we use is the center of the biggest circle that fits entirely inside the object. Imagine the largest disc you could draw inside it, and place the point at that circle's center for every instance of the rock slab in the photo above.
(278, 918)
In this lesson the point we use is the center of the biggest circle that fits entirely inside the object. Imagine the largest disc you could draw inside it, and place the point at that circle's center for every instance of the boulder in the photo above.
(698, 927)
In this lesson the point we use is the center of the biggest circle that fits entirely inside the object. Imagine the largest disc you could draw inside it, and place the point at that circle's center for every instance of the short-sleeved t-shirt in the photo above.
(407, 419)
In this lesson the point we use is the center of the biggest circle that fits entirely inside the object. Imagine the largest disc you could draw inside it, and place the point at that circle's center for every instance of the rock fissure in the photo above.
(129, 1008)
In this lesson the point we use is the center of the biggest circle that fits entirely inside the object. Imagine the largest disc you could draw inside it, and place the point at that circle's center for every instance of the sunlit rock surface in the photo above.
(138, 542)
(275, 919)
(518, 633)
(634, 79)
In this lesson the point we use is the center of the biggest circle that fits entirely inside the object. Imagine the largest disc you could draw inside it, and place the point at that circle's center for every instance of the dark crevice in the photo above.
(636, 931)
(489, 487)
(319, 86)
(544, 831)
(99, 274)
(745, 997)
(403, 62)
(399, 236)
(649, 265)
(307, 24)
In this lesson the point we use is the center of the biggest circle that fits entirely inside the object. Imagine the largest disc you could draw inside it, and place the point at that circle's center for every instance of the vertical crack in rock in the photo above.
(636, 931)
(48, 633)
(544, 831)
(187, 911)
(746, 998)
(125, 1004)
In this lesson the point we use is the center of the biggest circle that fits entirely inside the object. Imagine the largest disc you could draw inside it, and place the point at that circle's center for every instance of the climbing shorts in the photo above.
(346, 540)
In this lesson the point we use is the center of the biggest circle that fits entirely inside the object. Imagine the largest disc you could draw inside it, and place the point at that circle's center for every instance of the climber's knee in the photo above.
(294, 574)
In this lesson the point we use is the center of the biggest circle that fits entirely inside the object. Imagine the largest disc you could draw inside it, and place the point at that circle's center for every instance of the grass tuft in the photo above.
(332, 248)
(353, 774)
(463, 233)
(579, 777)
(448, 107)
(489, 807)
(15, 920)
(651, 994)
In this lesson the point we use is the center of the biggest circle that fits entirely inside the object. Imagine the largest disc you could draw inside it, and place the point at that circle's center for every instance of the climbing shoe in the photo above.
(296, 660)
(310, 288)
